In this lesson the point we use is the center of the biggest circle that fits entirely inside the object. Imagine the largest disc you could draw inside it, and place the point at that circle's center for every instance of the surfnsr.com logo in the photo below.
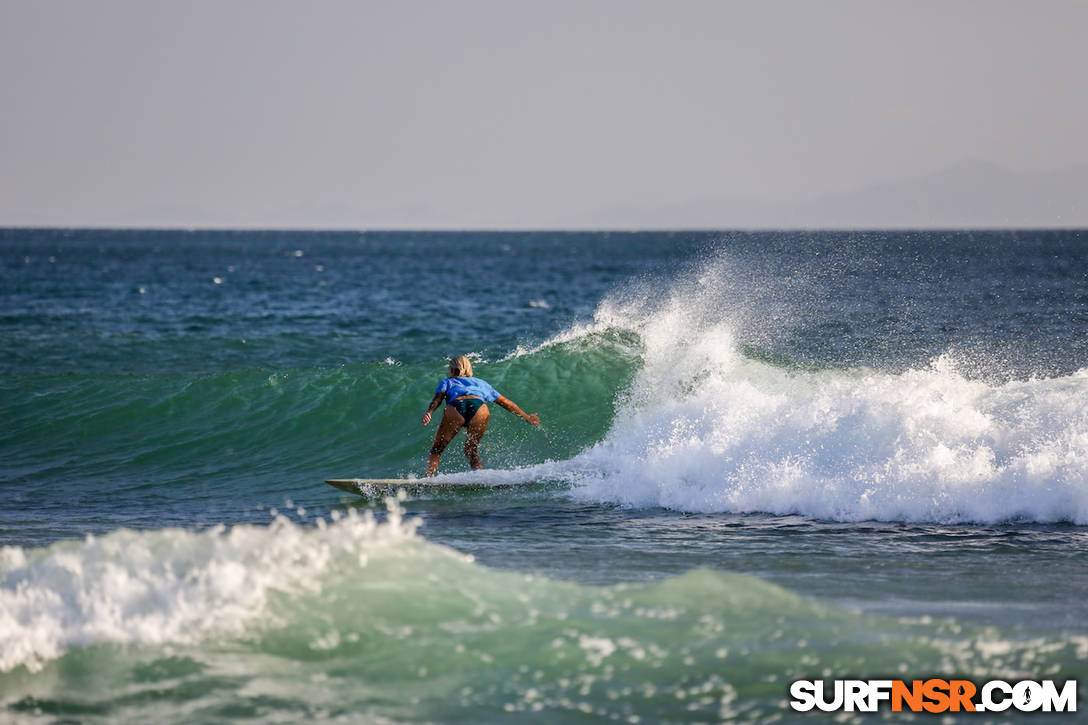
(934, 695)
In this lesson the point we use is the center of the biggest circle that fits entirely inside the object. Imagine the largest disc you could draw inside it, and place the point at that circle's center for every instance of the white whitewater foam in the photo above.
(705, 429)
(925, 445)
(170, 586)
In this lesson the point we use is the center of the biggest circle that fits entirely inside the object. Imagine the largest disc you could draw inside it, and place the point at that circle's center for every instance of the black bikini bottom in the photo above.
(467, 407)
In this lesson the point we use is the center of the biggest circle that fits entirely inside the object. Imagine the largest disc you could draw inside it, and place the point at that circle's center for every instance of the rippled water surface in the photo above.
(764, 456)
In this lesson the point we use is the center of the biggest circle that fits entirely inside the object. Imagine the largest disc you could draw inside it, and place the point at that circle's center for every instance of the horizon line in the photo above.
(533, 230)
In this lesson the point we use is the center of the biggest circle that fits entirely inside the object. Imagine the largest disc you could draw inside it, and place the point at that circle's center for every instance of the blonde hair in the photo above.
(460, 367)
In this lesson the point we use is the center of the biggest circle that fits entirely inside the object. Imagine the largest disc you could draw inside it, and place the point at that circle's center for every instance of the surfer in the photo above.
(466, 406)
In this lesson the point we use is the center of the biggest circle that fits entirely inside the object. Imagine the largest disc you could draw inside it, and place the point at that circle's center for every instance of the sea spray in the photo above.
(705, 427)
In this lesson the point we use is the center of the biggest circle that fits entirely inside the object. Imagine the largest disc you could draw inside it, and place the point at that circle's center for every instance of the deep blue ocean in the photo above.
(764, 456)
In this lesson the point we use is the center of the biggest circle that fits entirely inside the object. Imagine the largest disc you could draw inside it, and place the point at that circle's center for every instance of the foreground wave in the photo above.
(365, 618)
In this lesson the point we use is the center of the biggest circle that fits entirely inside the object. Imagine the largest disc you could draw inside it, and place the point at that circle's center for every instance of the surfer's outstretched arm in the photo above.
(435, 402)
(531, 418)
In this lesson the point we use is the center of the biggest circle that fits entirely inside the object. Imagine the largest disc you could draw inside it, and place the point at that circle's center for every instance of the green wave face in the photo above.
(356, 420)
(367, 621)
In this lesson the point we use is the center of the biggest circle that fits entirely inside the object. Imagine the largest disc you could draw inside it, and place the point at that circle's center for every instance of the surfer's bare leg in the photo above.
(447, 429)
(474, 431)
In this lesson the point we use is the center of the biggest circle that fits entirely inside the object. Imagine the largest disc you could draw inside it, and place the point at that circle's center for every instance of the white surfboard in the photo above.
(378, 486)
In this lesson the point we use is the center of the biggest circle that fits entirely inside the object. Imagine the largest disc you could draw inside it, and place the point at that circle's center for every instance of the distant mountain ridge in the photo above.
(969, 194)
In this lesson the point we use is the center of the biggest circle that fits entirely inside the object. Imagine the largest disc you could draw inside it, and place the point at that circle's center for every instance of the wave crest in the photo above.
(172, 585)
(705, 427)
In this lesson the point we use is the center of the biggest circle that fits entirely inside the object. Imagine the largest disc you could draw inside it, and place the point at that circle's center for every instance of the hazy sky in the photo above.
(538, 114)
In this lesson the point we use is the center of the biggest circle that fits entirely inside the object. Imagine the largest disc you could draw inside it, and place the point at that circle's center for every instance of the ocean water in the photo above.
(764, 457)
